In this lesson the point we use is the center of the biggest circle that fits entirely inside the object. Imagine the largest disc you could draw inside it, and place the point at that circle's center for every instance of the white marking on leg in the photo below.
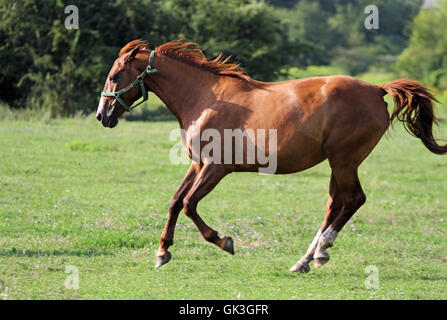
(326, 240)
(330, 234)
(314, 243)
(303, 264)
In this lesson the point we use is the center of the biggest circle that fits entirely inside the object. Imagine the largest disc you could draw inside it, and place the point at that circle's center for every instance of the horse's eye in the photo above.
(113, 78)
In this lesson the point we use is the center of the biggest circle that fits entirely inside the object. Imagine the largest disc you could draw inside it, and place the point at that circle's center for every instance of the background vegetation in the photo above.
(75, 194)
(48, 67)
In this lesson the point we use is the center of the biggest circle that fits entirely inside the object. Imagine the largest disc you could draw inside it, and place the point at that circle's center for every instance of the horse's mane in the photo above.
(133, 45)
(190, 52)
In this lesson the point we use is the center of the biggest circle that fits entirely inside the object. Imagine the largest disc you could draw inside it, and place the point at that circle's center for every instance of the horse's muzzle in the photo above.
(108, 119)
(111, 123)
(108, 122)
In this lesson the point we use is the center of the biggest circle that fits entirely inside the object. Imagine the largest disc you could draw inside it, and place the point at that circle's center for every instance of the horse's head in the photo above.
(124, 84)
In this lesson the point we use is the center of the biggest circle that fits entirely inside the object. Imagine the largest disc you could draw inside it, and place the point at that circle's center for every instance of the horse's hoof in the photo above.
(228, 246)
(321, 259)
(301, 267)
(161, 260)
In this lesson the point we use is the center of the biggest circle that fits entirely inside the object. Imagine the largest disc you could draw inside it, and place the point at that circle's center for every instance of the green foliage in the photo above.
(426, 56)
(309, 23)
(336, 31)
(374, 75)
(283, 3)
(377, 76)
(248, 30)
(311, 71)
(46, 65)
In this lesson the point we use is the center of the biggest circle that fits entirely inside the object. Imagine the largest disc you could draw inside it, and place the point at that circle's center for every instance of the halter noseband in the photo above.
(138, 81)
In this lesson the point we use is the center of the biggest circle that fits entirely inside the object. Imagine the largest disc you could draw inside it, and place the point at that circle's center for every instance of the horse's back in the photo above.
(338, 99)
(309, 112)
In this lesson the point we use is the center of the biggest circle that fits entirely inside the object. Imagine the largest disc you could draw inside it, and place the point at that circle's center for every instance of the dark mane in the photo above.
(191, 53)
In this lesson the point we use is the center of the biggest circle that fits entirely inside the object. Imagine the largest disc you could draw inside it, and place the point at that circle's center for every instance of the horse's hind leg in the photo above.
(333, 208)
(167, 237)
(350, 140)
(353, 198)
(208, 178)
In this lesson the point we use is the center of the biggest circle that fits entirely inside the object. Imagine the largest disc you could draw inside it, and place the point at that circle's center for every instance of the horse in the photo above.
(336, 118)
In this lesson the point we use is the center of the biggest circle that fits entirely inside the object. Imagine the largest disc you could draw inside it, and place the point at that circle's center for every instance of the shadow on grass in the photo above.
(13, 252)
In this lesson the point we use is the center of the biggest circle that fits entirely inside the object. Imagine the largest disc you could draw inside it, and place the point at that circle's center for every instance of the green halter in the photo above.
(138, 81)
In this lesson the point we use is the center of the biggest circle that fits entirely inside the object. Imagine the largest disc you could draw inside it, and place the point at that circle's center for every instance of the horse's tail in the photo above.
(414, 107)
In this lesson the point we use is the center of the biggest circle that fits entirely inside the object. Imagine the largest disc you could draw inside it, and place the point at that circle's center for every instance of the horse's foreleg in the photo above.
(333, 208)
(208, 178)
(353, 198)
(167, 237)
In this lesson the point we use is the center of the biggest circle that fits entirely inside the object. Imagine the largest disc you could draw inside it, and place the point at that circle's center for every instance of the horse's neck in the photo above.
(186, 90)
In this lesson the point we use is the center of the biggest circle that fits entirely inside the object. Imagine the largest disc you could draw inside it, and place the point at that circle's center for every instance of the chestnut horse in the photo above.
(338, 118)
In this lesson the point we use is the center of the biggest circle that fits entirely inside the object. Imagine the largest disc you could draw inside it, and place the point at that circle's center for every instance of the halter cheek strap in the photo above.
(138, 81)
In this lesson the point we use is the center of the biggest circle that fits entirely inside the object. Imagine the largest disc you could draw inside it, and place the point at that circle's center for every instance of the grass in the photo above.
(75, 194)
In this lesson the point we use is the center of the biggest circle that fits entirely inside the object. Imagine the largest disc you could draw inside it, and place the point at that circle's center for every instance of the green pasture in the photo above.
(76, 195)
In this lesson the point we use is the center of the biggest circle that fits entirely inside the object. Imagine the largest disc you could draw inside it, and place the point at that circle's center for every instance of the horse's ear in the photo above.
(132, 54)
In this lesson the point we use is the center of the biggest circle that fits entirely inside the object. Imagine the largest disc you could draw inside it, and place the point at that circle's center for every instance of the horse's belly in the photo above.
(297, 142)
(299, 155)
(292, 155)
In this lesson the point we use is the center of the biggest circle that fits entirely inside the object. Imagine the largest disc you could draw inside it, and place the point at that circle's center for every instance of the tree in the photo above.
(426, 56)
(46, 65)
(250, 31)
(335, 28)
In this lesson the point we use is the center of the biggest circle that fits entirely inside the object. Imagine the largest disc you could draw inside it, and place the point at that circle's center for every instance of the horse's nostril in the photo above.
(98, 116)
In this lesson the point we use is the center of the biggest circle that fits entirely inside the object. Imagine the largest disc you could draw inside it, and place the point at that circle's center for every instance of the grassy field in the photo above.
(75, 194)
